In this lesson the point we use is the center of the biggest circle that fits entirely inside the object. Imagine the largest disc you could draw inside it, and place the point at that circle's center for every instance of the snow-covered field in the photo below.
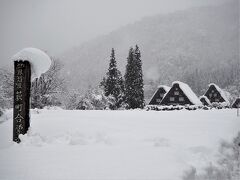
(109, 145)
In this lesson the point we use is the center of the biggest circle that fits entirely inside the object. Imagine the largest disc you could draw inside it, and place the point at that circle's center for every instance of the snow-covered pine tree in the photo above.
(134, 94)
(113, 83)
(139, 78)
(120, 98)
(129, 80)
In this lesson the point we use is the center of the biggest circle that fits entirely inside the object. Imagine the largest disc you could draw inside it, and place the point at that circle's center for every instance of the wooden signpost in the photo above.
(21, 103)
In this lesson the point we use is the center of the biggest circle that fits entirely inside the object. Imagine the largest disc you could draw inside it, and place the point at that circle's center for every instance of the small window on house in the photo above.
(176, 89)
(171, 99)
(181, 99)
(158, 100)
(215, 95)
(176, 93)
(161, 94)
(216, 100)
(212, 91)
(210, 95)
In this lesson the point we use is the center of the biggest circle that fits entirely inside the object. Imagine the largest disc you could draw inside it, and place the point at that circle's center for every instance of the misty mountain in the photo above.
(203, 38)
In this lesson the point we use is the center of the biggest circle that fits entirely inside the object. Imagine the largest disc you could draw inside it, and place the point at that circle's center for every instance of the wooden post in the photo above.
(21, 103)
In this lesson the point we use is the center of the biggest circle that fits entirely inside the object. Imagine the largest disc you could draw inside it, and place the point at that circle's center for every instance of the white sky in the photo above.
(58, 25)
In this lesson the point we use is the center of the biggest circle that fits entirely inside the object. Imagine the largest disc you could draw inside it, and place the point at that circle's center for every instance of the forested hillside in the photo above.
(197, 46)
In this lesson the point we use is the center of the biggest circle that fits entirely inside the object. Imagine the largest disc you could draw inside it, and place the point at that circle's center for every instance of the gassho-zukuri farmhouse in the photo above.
(181, 94)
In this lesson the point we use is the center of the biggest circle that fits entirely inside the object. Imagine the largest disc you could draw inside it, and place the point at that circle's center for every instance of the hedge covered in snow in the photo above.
(187, 107)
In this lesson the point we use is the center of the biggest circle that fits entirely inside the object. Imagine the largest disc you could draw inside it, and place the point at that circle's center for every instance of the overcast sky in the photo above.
(58, 25)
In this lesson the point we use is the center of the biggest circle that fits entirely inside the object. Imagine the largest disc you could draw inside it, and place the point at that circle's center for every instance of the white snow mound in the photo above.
(39, 60)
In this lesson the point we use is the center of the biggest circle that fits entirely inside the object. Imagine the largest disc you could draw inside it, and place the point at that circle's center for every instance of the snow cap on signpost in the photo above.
(39, 60)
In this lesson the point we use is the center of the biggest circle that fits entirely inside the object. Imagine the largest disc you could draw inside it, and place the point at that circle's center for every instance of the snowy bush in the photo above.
(222, 105)
(5, 115)
(84, 104)
(70, 99)
(94, 99)
(187, 107)
(206, 107)
(226, 168)
(171, 107)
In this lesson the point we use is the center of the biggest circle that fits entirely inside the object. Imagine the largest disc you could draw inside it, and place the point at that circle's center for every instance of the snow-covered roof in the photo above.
(236, 102)
(206, 99)
(188, 92)
(225, 95)
(39, 60)
(166, 88)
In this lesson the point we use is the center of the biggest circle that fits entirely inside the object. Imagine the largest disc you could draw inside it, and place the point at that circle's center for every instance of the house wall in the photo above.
(174, 98)
(213, 95)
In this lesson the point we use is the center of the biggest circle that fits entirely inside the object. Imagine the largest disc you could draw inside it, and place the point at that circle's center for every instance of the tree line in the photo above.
(114, 92)
(126, 91)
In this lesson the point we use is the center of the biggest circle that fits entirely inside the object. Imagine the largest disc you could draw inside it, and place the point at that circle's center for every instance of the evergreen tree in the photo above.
(129, 80)
(134, 94)
(139, 78)
(113, 84)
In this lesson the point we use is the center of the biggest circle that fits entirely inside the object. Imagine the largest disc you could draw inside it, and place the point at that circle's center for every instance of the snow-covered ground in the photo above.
(109, 145)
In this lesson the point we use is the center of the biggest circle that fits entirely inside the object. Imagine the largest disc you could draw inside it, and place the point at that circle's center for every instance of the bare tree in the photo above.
(45, 89)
